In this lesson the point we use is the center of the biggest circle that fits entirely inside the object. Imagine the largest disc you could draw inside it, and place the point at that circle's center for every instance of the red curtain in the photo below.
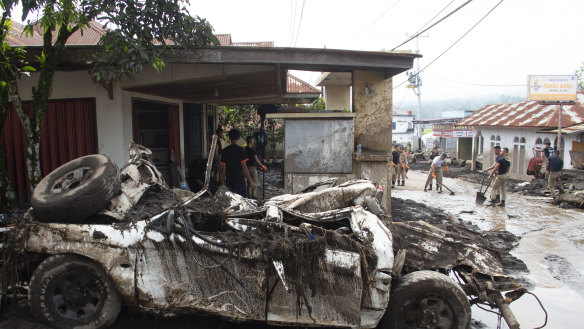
(174, 131)
(69, 131)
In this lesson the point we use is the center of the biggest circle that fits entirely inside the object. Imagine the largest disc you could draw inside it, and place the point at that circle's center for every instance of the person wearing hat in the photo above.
(234, 168)
(436, 171)
(499, 173)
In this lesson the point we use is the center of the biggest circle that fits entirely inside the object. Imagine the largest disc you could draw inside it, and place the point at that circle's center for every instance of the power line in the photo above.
(431, 19)
(431, 26)
(457, 41)
(375, 20)
(299, 22)
(294, 4)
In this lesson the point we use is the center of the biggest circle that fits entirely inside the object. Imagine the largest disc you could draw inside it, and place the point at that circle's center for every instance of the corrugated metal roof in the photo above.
(526, 114)
(296, 86)
(577, 128)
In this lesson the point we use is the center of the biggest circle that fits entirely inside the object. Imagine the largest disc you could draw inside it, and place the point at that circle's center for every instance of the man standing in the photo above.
(500, 169)
(554, 172)
(497, 155)
(251, 166)
(403, 162)
(234, 170)
(432, 156)
(436, 171)
(395, 165)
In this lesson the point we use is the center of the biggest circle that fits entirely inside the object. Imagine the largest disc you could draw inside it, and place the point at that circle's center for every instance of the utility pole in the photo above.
(415, 83)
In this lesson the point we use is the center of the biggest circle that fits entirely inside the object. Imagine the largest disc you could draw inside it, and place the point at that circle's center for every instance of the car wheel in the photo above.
(427, 299)
(76, 190)
(69, 291)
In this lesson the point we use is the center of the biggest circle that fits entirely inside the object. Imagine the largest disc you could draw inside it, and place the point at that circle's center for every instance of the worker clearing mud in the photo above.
(499, 173)
(251, 167)
(432, 156)
(436, 172)
(554, 172)
(497, 150)
(402, 166)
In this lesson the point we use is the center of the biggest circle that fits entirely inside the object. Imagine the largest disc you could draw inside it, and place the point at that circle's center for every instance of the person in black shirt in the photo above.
(554, 172)
(395, 162)
(251, 166)
(500, 170)
(234, 170)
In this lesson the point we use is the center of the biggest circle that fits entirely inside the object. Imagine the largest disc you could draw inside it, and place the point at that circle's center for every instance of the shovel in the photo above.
(481, 198)
(451, 193)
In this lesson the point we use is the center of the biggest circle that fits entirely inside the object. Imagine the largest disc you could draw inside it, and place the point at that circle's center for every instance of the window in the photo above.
(516, 139)
(538, 142)
(522, 140)
(393, 125)
(498, 143)
(492, 141)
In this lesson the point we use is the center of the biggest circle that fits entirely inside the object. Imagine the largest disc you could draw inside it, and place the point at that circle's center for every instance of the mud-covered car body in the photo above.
(229, 274)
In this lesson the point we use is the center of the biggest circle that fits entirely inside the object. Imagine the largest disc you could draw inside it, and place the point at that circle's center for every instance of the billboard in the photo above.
(451, 131)
(552, 87)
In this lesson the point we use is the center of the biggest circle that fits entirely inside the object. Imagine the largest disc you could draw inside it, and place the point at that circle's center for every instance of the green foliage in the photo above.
(318, 105)
(246, 119)
(580, 75)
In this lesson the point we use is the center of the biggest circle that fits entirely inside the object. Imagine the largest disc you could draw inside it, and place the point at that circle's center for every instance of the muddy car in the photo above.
(321, 258)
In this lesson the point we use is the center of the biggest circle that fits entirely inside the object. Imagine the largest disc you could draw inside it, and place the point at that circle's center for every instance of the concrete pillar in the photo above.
(372, 102)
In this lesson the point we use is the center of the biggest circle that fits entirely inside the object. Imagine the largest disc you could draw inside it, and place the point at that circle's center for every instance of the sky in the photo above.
(518, 38)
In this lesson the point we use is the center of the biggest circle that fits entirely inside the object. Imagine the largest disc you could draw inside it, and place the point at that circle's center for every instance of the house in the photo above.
(402, 127)
(521, 127)
(174, 111)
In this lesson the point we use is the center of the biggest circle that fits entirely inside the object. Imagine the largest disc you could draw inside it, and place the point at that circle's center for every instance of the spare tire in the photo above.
(76, 190)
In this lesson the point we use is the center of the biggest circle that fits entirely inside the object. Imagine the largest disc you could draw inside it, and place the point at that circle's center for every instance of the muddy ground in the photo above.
(572, 182)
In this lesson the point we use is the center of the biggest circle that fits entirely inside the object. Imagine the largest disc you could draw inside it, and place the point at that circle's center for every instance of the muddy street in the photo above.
(551, 245)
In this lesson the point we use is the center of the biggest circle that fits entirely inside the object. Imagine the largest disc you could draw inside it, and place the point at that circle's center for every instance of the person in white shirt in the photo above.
(436, 172)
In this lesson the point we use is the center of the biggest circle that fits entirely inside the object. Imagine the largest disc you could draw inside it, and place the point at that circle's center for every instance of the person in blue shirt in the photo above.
(499, 173)
(554, 172)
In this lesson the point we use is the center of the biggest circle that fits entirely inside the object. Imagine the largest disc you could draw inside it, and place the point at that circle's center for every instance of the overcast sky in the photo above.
(520, 37)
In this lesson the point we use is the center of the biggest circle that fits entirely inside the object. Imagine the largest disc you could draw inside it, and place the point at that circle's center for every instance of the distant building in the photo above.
(521, 127)
(402, 127)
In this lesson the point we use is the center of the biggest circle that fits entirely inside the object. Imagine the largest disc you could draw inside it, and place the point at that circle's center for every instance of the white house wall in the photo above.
(507, 136)
(114, 117)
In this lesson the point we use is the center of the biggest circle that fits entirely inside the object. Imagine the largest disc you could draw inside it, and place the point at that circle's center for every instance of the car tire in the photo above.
(69, 291)
(427, 299)
(76, 190)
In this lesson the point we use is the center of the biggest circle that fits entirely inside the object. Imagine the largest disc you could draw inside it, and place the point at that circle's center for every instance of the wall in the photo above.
(338, 98)
(110, 118)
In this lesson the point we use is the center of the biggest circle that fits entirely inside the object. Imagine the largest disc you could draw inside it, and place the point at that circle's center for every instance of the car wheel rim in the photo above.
(429, 312)
(75, 296)
(72, 179)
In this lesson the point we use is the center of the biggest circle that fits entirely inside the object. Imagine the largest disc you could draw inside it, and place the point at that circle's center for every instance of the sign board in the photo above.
(451, 131)
(552, 87)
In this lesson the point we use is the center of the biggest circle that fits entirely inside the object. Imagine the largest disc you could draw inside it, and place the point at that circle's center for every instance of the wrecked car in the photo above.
(329, 257)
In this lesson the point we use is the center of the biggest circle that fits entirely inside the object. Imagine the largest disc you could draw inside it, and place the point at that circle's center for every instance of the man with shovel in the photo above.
(436, 171)
(500, 170)
(497, 150)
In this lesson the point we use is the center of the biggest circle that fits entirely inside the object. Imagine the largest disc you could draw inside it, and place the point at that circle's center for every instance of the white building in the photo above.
(521, 127)
(402, 128)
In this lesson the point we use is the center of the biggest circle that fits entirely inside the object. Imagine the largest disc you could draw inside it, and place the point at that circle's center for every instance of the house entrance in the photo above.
(155, 126)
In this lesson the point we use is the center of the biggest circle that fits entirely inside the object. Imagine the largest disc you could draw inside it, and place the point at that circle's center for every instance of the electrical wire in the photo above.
(431, 19)
(455, 42)
(431, 26)
(375, 20)
(299, 22)
(543, 308)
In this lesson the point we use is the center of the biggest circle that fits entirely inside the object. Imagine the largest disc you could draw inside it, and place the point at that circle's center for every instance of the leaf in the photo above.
(28, 69)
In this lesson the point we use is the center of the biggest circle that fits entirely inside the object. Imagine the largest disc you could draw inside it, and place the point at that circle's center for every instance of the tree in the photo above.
(246, 119)
(580, 75)
(141, 33)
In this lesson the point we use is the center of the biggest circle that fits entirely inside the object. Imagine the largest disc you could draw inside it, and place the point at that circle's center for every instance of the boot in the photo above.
(430, 187)
(403, 183)
(502, 204)
(498, 198)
